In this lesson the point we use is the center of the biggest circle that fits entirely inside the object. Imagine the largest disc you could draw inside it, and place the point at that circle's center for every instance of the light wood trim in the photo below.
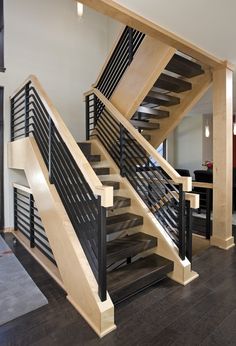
(109, 56)
(193, 198)
(149, 62)
(22, 188)
(202, 185)
(222, 158)
(198, 184)
(186, 181)
(188, 99)
(50, 268)
(95, 184)
(77, 276)
(124, 15)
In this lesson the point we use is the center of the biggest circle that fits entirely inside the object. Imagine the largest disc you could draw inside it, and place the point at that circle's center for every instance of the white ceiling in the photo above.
(209, 24)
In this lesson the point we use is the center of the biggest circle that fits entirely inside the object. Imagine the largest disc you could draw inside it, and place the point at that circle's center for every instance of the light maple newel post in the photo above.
(222, 157)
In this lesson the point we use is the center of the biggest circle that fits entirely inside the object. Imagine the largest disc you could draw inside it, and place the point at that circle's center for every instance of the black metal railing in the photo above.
(28, 222)
(30, 117)
(165, 200)
(119, 61)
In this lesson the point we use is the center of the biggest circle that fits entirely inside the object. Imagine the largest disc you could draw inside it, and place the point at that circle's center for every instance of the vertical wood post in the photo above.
(222, 158)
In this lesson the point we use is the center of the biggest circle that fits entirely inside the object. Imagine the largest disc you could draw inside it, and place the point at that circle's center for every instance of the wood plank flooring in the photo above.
(202, 313)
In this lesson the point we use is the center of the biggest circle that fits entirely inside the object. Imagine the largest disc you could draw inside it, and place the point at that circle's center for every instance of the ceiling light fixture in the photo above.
(80, 9)
(207, 130)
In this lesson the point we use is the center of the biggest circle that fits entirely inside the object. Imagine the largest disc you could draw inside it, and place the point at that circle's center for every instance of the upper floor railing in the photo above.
(121, 57)
(150, 174)
(84, 197)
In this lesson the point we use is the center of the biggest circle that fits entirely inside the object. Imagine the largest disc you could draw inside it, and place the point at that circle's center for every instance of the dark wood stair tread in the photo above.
(114, 184)
(161, 99)
(150, 113)
(145, 125)
(120, 222)
(121, 202)
(94, 158)
(102, 170)
(170, 83)
(129, 246)
(132, 278)
(184, 67)
(85, 148)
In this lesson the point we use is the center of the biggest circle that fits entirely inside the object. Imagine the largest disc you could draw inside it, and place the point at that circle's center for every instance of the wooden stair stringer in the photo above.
(77, 276)
(166, 248)
(200, 85)
(149, 62)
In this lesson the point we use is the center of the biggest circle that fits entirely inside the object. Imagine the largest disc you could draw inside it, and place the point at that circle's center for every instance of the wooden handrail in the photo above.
(22, 188)
(203, 185)
(186, 181)
(106, 192)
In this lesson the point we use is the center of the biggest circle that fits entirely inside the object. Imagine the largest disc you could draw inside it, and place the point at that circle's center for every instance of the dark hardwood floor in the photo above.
(202, 313)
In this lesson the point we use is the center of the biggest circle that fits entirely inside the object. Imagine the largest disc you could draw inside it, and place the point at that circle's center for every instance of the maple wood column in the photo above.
(222, 158)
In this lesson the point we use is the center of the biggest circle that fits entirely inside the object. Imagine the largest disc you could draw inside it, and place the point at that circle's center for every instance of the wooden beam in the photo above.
(124, 15)
(149, 62)
(222, 158)
(200, 85)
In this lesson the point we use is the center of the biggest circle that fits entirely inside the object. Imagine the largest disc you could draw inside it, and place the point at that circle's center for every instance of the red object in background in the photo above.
(209, 165)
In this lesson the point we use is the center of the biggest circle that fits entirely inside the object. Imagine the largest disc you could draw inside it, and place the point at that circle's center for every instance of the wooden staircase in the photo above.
(164, 95)
(129, 269)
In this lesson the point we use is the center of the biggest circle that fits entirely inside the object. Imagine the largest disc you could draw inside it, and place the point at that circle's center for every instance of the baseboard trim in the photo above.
(224, 244)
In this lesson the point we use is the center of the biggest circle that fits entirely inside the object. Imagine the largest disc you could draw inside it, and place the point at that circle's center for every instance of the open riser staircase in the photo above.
(97, 201)
(165, 200)
(179, 84)
(110, 213)
(127, 270)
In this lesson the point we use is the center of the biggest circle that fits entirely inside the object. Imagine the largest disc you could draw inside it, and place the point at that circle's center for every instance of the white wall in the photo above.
(114, 30)
(185, 144)
(46, 38)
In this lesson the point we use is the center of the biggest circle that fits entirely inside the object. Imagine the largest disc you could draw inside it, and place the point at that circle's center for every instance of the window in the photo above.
(2, 69)
(162, 149)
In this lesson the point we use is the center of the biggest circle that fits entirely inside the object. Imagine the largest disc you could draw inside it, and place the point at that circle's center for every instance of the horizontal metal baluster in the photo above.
(85, 205)
(169, 219)
(119, 61)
